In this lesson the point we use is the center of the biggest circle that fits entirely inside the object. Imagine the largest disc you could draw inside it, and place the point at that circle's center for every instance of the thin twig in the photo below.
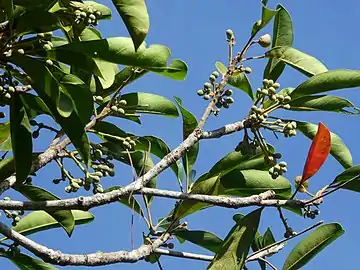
(286, 239)
(268, 263)
(187, 255)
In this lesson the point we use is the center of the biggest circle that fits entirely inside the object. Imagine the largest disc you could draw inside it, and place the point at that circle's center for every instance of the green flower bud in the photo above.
(272, 90)
(287, 99)
(265, 41)
(7, 96)
(92, 16)
(276, 85)
(114, 108)
(248, 70)
(215, 74)
(49, 62)
(264, 92)
(11, 89)
(99, 98)
(17, 219)
(228, 92)
(123, 102)
(75, 185)
(294, 124)
(229, 34)
(200, 92)
(48, 35)
(212, 78)
(281, 98)
(35, 134)
(41, 35)
(121, 111)
(47, 47)
(218, 104)
(271, 82)
(286, 106)
(277, 155)
(282, 164)
(98, 14)
(126, 145)
(226, 105)
(56, 181)
(206, 97)
(83, 14)
(265, 83)
(277, 168)
(21, 51)
(68, 189)
(207, 85)
(229, 100)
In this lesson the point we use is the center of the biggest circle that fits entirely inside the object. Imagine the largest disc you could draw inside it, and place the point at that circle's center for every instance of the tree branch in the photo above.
(185, 255)
(225, 130)
(86, 203)
(92, 259)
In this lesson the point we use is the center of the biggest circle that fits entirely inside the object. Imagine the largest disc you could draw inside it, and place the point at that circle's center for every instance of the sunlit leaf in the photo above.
(235, 248)
(310, 246)
(300, 61)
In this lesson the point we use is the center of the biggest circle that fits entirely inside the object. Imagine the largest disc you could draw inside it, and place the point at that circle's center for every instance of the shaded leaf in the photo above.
(310, 246)
(136, 18)
(235, 248)
(251, 182)
(64, 217)
(338, 149)
(120, 50)
(46, 87)
(348, 174)
(282, 36)
(267, 15)
(160, 149)
(25, 262)
(203, 239)
(21, 139)
(5, 136)
(300, 61)
(189, 124)
(239, 81)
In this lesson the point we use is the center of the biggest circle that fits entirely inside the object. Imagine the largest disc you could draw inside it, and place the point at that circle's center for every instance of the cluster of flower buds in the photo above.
(117, 107)
(208, 90)
(45, 40)
(290, 129)
(247, 148)
(278, 169)
(14, 215)
(311, 213)
(87, 15)
(257, 115)
(225, 100)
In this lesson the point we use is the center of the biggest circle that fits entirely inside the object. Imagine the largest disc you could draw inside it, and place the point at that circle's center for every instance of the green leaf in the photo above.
(236, 160)
(267, 15)
(310, 246)
(204, 185)
(130, 202)
(4, 136)
(8, 7)
(34, 105)
(338, 149)
(282, 36)
(141, 102)
(298, 60)
(235, 248)
(38, 221)
(36, 21)
(47, 88)
(346, 175)
(189, 124)
(7, 168)
(122, 78)
(324, 103)
(203, 239)
(251, 182)
(268, 238)
(25, 262)
(35, 4)
(108, 71)
(136, 18)
(208, 183)
(21, 139)
(328, 81)
(160, 149)
(105, 11)
(64, 217)
(239, 81)
(120, 50)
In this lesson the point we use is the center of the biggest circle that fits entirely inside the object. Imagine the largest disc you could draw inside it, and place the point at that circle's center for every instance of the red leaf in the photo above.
(318, 152)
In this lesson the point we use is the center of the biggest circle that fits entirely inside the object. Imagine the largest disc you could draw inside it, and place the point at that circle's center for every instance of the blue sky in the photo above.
(195, 32)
